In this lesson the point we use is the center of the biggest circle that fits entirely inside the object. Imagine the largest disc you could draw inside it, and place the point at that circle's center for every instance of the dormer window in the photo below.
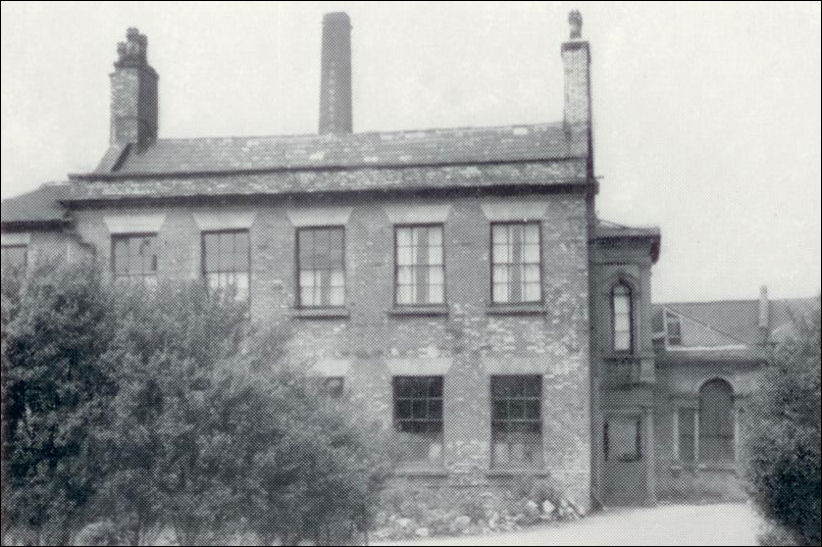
(622, 318)
(673, 329)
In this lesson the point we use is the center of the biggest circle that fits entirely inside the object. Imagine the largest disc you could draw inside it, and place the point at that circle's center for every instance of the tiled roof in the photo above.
(428, 147)
(739, 319)
(38, 206)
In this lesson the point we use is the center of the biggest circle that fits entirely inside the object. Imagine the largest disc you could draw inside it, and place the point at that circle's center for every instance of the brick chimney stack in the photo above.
(133, 93)
(335, 79)
(576, 58)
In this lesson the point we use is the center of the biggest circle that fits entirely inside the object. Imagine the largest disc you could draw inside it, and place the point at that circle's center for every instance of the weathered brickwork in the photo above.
(552, 341)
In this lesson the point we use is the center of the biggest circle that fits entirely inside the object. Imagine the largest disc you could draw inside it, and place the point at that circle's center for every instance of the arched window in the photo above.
(716, 421)
(622, 319)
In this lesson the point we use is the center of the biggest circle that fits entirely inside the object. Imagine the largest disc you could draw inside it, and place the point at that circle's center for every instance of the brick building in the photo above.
(456, 283)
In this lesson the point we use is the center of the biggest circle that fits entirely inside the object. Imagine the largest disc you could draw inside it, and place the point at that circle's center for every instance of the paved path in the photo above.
(719, 524)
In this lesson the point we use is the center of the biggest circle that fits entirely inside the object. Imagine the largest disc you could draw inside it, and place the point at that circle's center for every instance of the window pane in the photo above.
(499, 235)
(532, 234)
(531, 254)
(516, 424)
(436, 294)
(212, 252)
(403, 237)
(516, 258)
(321, 261)
(622, 341)
(418, 415)
(500, 293)
(686, 434)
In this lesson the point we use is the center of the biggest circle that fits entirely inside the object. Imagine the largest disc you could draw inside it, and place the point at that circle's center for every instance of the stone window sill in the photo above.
(516, 309)
(719, 466)
(420, 471)
(504, 472)
(420, 311)
(320, 313)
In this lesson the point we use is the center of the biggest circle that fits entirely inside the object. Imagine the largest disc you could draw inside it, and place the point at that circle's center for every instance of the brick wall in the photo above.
(468, 344)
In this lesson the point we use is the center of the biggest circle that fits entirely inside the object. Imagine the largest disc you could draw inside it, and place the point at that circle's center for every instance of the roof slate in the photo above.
(38, 206)
(739, 319)
(550, 141)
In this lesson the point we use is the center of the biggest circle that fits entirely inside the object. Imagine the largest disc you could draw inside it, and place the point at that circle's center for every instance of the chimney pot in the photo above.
(575, 22)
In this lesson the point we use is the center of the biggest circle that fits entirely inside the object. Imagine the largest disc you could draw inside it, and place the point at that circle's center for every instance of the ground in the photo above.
(716, 524)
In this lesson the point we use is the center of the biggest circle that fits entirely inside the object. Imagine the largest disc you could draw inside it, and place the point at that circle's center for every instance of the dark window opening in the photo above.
(622, 438)
(418, 417)
(686, 421)
(516, 420)
(716, 422)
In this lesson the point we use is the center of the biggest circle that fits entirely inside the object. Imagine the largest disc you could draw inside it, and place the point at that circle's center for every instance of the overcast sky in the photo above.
(707, 116)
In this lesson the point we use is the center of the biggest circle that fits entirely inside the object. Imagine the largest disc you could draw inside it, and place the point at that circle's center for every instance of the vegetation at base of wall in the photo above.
(409, 512)
(782, 447)
(129, 410)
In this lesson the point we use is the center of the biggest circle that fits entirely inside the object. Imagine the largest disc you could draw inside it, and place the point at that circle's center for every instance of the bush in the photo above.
(782, 447)
(136, 408)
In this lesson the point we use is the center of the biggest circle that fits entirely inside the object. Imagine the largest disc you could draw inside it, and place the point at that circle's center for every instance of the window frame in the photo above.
(540, 462)
(396, 420)
(675, 318)
(126, 236)
(607, 435)
(204, 273)
(298, 291)
(541, 300)
(444, 302)
(707, 434)
(25, 248)
(631, 317)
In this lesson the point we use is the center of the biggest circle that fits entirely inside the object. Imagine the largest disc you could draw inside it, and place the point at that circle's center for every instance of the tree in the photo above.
(783, 445)
(136, 407)
(54, 389)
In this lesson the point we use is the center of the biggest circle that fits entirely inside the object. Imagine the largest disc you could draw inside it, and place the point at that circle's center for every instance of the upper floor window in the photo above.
(226, 261)
(673, 329)
(622, 317)
(516, 273)
(134, 256)
(14, 256)
(418, 417)
(516, 420)
(321, 267)
(420, 265)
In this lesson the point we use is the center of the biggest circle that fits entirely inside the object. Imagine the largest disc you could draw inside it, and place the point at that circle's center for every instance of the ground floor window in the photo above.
(686, 423)
(418, 417)
(516, 420)
(706, 431)
(622, 438)
(716, 422)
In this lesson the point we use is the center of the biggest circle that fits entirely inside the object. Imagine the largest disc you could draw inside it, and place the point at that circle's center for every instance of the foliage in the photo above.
(783, 445)
(143, 407)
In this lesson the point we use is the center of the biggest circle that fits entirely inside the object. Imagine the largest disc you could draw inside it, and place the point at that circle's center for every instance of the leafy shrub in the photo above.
(137, 408)
(782, 447)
